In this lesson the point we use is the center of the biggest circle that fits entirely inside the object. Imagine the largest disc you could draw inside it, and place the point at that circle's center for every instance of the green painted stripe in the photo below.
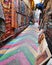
(28, 55)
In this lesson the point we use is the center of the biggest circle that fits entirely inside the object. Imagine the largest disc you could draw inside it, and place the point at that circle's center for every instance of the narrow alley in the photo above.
(25, 32)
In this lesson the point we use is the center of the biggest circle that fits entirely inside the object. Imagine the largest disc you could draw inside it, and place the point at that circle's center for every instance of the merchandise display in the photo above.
(7, 14)
(15, 17)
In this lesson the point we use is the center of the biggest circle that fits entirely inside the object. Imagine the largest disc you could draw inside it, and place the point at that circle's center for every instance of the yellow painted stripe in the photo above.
(2, 51)
(12, 49)
(33, 51)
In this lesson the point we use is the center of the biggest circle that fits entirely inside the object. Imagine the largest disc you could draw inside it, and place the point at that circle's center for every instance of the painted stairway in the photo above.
(22, 50)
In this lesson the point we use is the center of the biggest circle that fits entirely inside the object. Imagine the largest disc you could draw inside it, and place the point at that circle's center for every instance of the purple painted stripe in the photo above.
(22, 59)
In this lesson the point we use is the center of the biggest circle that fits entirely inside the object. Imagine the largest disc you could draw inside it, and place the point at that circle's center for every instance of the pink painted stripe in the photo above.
(22, 59)
(11, 46)
(20, 56)
(34, 46)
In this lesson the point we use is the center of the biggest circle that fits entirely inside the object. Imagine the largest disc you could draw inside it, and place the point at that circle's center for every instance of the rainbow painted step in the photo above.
(22, 50)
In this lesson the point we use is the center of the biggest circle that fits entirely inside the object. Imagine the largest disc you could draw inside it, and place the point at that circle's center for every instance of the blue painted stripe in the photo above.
(1, 55)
